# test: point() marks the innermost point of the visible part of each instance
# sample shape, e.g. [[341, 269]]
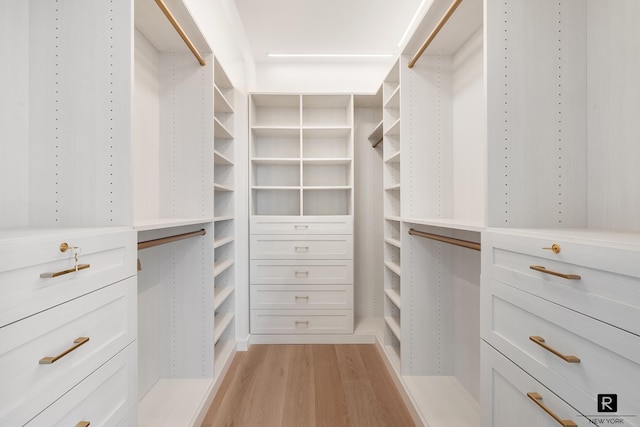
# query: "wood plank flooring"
[[308, 386]]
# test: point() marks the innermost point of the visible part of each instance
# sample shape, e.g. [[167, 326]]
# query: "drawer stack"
[[561, 323], [301, 275], [67, 336]]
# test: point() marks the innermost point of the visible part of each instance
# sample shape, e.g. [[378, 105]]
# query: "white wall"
[[320, 77], [220, 23]]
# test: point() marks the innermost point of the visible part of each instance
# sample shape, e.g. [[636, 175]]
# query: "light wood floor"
[[308, 386]]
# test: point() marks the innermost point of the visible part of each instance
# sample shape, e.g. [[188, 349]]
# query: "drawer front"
[[301, 297], [107, 317], [593, 357], [309, 272], [297, 247], [302, 225], [104, 398], [301, 321], [23, 292], [505, 400], [608, 286]]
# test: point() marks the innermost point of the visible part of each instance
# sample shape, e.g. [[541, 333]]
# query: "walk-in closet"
[[450, 184]]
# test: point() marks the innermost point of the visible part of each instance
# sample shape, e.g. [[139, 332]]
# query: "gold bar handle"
[[537, 399], [302, 248], [302, 297], [302, 273], [83, 424], [542, 269], [300, 227], [63, 272], [302, 323], [77, 343], [540, 341]]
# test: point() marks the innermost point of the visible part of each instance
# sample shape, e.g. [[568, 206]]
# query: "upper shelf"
[[465, 21], [376, 135], [155, 26]]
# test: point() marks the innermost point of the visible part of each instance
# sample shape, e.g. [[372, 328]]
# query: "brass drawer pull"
[[63, 272], [77, 343], [302, 248], [542, 269], [300, 227], [537, 399], [302, 273], [302, 323], [540, 342], [302, 297], [83, 424]]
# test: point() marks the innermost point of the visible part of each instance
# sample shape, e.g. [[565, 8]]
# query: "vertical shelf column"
[[392, 226], [224, 277]]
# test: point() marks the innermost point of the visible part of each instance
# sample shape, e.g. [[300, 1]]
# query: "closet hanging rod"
[[451, 240], [180, 31], [170, 239], [435, 32]]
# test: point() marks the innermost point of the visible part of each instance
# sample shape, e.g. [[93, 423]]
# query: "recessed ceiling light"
[[329, 55], [413, 21]]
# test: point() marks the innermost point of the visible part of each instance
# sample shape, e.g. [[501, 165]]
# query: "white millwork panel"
[[184, 182], [559, 290], [67, 323], [301, 204], [65, 114]]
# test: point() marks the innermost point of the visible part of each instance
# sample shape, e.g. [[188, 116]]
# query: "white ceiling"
[[325, 26]]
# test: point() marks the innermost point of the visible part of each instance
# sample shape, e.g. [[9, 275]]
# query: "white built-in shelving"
[[391, 208], [301, 185], [183, 181], [224, 190]]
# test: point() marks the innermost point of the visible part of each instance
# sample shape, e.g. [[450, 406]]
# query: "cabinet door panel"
[[301, 296], [295, 247], [309, 272], [505, 400], [605, 278], [334, 224], [107, 317], [592, 356], [24, 292], [301, 321], [103, 398]]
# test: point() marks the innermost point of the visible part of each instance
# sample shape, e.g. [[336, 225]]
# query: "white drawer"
[[609, 283], [309, 272], [107, 317], [301, 297], [505, 400], [299, 247], [301, 321], [601, 358], [302, 225], [23, 292], [104, 398]]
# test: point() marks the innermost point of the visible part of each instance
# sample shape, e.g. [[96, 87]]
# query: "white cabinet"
[[563, 307], [560, 275], [301, 204], [69, 325]]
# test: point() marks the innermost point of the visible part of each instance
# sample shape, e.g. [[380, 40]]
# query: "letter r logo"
[[607, 403]]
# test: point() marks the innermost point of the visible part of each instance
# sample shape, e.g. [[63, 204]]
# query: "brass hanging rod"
[[435, 32], [170, 239], [180, 31], [453, 241]]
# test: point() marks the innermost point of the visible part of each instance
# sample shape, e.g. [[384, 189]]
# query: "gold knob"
[[555, 248], [64, 247]]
